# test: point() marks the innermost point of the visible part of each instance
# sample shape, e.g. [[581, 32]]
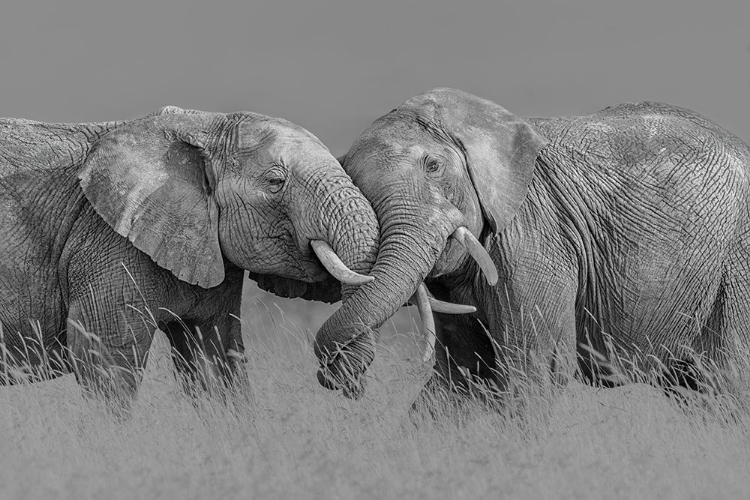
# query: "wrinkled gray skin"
[[632, 222], [110, 229]]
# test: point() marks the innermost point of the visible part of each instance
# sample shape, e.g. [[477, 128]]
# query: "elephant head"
[[439, 169], [200, 191]]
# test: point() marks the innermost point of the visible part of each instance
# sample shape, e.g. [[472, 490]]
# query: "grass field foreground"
[[286, 437]]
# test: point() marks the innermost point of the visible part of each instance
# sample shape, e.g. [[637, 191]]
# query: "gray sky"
[[334, 66]]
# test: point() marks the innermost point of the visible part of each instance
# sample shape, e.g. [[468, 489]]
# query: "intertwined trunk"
[[349, 225], [345, 344]]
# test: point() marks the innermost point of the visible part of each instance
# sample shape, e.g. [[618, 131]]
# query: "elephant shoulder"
[[552, 128]]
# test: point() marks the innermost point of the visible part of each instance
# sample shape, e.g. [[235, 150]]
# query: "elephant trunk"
[[340, 228], [350, 226], [410, 247]]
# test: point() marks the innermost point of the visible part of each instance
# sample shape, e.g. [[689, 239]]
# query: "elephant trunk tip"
[[343, 364]]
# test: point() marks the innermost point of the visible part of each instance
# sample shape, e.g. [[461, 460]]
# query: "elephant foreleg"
[[532, 319], [108, 354], [206, 354], [464, 364], [465, 355]]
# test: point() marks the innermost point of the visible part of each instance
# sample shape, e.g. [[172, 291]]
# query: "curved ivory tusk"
[[440, 306], [449, 307], [428, 322], [333, 264], [477, 252]]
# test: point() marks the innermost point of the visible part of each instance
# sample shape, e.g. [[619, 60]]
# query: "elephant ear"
[[152, 180], [324, 291], [500, 148]]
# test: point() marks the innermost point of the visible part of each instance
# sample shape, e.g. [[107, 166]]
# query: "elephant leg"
[[32, 355], [206, 354], [719, 355], [465, 354], [533, 325], [193, 365], [108, 353], [464, 365]]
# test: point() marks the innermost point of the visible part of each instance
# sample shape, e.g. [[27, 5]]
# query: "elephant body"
[[109, 230], [620, 239], [633, 242], [55, 275]]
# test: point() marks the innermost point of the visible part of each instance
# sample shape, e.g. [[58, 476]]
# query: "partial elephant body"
[[157, 233], [621, 239], [632, 242]]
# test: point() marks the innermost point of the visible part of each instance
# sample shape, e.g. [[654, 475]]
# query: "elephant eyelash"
[[275, 178], [275, 185], [430, 164]]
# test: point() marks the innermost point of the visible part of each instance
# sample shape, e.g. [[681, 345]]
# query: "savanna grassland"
[[284, 436]]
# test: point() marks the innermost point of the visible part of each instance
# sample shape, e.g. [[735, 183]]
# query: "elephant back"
[[686, 123], [32, 145], [628, 134]]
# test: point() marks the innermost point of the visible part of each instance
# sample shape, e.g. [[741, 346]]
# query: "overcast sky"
[[335, 66]]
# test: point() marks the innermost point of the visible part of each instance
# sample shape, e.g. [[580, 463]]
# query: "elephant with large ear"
[[611, 241], [109, 230]]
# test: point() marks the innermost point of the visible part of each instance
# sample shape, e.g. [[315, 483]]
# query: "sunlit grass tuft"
[[283, 436]]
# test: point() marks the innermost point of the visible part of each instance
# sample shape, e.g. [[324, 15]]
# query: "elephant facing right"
[[602, 243]]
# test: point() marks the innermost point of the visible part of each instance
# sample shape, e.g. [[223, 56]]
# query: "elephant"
[[112, 229], [606, 246]]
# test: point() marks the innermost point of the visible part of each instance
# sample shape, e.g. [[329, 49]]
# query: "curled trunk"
[[345, 344]]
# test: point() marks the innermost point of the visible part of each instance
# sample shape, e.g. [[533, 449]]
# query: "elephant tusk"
[[440, 306], [449, 307], [428, 322], [333, 264], [477, 252]]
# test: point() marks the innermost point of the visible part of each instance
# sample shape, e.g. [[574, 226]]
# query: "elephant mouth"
[[426, 304]]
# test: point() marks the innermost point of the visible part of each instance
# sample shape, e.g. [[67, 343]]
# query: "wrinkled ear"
[[324, 291], [152, 181], [500, 148]]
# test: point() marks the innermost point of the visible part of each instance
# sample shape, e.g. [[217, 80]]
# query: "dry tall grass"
[[285, 437]]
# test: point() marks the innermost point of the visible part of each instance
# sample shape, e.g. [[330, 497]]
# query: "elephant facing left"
[[108, 230]]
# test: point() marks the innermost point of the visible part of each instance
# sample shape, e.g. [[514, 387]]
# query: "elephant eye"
[[275, 178], [431, 164]]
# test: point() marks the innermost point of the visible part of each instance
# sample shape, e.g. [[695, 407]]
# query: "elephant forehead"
[[398, 142], [384, 156], [276, 138], [408, 150]]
